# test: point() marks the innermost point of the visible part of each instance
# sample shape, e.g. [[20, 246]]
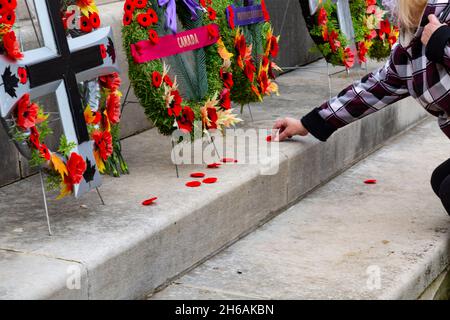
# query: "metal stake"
[[44, 196]]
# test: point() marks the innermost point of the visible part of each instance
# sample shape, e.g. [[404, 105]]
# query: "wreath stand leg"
[[44, 197], [176, 166], [125, 100], [249, 109], [100, 196]]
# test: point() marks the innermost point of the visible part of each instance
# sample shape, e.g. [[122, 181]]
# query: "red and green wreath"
[[31, 123]]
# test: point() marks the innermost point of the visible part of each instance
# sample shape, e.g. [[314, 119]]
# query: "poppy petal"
[[210, 180], [198, 175], [193, 184], [214, 165], [149, 202], [371, 181]]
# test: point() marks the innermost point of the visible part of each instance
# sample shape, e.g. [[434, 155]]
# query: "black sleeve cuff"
[[436, 45], [317, 126]]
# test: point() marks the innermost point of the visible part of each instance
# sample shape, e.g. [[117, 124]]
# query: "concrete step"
[[124, 250], [346, 240]]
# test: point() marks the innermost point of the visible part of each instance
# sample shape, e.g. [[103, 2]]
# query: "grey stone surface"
[[324, 246]]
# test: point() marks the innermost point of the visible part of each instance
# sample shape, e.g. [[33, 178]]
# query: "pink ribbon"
[[145, 51]]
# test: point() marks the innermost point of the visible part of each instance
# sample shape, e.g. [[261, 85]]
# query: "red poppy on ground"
[[129, 6], [103, 51], [103, 143], [212, 31], [198, 175], [26, 112], [76, 166], [212, 14], [153, 36], [153, 16], [140, 4], [22, 73], [11, 46], [127, 18], [113, 108], [193, 184], [144, 20], [111, 81], [250, 70], [156, 79], [228, 160], [371, 181], [214, 165], [274, 47], [186, 120], [44, 152], [210, 180], [8, 18], [168, 81], [227, 78], [149, 202], [225, 99], [94, 19], [34, 137], [85, 24]]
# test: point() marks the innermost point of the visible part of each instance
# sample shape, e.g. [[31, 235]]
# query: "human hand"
[[430, 28], [287, 128]]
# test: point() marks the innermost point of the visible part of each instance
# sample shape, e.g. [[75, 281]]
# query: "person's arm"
[[374, 92], [438, 49]]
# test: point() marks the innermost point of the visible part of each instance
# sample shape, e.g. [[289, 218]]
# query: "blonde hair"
[[409, 13]]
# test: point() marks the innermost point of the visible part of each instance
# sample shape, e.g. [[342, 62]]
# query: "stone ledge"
[[129, 250]]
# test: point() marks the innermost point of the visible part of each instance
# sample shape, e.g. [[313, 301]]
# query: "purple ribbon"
[[171, 12]]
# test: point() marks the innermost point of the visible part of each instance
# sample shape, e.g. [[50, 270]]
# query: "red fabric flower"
[[214, 165], [250, 70], [175, 107], [111, 81], [76, 166], [210, 180], [212, 116], [127, 18], [103, 143], [212, 14], [322, 17], [228, 160], [149, 202], [129, 6], [11, 46], [156, 79], [225, 99], [113, 108], [269, 139], [153, 15], [371, 181], [44, 152], [193, 184], [26, 112], [85, 24], [103, 51], [140, 4], [265, 11], [22, 73], [153, 36], [349, 58], [34, 137], [8, 18], [168, 81], [198, 175], [231, 17], [11, 4], [212, 31], [144, 20], [186, 120], [227, 78], [94, 19], [362, 51], [274, 47]]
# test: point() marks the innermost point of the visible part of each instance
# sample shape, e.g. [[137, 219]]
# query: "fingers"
[[433, 19], [280, 124]]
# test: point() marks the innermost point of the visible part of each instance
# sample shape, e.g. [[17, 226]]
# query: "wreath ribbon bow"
[[171, 12]]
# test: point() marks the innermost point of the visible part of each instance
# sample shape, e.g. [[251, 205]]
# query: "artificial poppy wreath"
[[9, 45], [198, 93], [31, 124]]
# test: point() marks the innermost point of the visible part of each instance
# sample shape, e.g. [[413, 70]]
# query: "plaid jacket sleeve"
[[438, 49], [374, 92]]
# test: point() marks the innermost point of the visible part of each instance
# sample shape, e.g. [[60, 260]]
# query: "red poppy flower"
[[76, 166], [156, 79], [265, 11], [210, 180], [269, 139], [22, 73], [103, 143], [198, 175], [385, 28], [212, 14], [212, 116], [168, 81], [34, 137], [212, 31], [140, 4], [175, 107], [250, 70], [128, 6], [149, 202], [227, 78], [186, 120], [349, 58], [153, 16], [44, 152], [8, 18], [193, 184], [111, 81], [225, 99], [11, 4], [94, 20], [103, 51], [153, 36], [322, 17], [11, 46], [85, 24], [228, 160], [127, 18], [371, 181], [214, 165], [113, 108], [144, 20], [231, 17], [26, 112], [362, 51]]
